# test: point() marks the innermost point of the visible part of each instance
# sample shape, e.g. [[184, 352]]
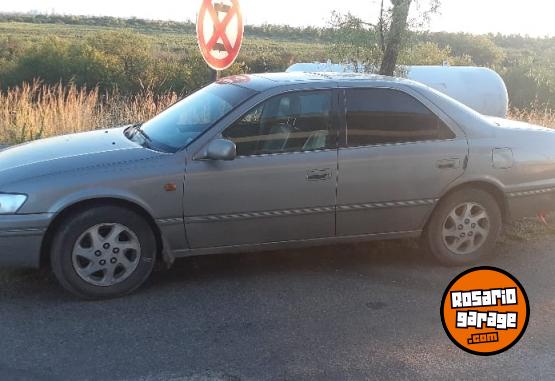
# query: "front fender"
[[79, 196]]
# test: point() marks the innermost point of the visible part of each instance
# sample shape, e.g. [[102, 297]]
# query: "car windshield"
[[182, 123]]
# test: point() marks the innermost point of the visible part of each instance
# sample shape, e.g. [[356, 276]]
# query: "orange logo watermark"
[[485, 311]]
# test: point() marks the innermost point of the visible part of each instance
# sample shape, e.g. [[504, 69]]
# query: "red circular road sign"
[[220, 32]]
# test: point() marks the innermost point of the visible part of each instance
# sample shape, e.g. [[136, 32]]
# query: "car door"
[[282, 185], [396, 159]]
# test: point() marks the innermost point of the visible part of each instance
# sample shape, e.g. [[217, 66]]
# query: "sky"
[[525, 17]]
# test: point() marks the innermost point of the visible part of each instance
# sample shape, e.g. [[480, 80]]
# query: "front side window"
[[293, 122], [386, 116], [186, 120]]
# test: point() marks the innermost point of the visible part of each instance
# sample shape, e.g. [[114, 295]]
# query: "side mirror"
[[221, 149]]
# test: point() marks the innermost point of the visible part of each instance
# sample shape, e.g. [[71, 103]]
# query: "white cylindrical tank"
[[477, 87]]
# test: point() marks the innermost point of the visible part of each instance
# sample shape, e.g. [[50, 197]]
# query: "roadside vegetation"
[[36, 110], [63, 74]]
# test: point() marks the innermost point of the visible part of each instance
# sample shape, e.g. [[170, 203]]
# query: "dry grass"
[[535, 115], [34, 111]]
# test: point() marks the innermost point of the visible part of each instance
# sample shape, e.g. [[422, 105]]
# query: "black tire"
[[72, 229], [433, 235]]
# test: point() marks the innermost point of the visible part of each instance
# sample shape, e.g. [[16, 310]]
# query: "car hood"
[[69, 152]]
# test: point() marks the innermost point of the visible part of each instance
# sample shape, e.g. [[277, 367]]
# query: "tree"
[[399, 17], [355, 42], [376, 47]]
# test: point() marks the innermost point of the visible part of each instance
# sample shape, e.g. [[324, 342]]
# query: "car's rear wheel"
[[464, 228], [103, 252]]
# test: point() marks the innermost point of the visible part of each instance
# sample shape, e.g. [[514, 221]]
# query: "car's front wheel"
[[103, 252], [464, 228]]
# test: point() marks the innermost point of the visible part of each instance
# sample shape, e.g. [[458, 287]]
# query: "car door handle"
[[318, 175], [449, 163]]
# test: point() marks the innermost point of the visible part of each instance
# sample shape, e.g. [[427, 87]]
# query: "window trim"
[[334, 112], [344, 134], [286, 153]]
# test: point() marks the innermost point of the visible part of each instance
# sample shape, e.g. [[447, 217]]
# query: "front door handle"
[[449, 163], [319, 174]]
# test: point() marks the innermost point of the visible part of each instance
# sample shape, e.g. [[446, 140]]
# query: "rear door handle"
[[449, 163], [319, 174]]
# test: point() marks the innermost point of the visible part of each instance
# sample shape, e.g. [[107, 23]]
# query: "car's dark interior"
[[290, 123]]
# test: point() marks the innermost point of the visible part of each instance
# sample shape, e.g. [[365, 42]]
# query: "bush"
[[131, 55], [121, 60]]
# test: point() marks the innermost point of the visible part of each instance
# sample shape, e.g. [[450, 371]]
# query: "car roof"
[[262, 82]]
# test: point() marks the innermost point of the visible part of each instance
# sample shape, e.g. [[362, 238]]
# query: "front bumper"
[[21, 238]]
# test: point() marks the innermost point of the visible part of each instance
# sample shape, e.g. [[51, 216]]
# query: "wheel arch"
[[82, 205], [487, 186]]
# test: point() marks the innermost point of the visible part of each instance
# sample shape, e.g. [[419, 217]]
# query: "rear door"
[[396, 159], [281, 187]]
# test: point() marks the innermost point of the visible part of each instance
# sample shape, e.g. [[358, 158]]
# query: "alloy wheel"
[[466, 228], [106, 254]]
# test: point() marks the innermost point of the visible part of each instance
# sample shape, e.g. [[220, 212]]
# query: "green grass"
[[171, 40]]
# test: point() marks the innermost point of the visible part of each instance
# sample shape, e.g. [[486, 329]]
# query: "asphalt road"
[[335, 313]]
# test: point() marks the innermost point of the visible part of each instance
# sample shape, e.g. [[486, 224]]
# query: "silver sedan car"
[[265, 162]]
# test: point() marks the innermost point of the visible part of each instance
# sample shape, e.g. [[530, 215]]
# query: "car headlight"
[[10, 203]]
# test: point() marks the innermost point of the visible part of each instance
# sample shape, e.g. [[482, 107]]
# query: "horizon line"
[[189, 21]]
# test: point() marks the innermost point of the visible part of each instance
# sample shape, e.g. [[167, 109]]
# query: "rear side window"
[[293, 122], [386, 116]]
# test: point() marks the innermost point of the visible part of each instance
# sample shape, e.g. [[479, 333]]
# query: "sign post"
[[220, 31]]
